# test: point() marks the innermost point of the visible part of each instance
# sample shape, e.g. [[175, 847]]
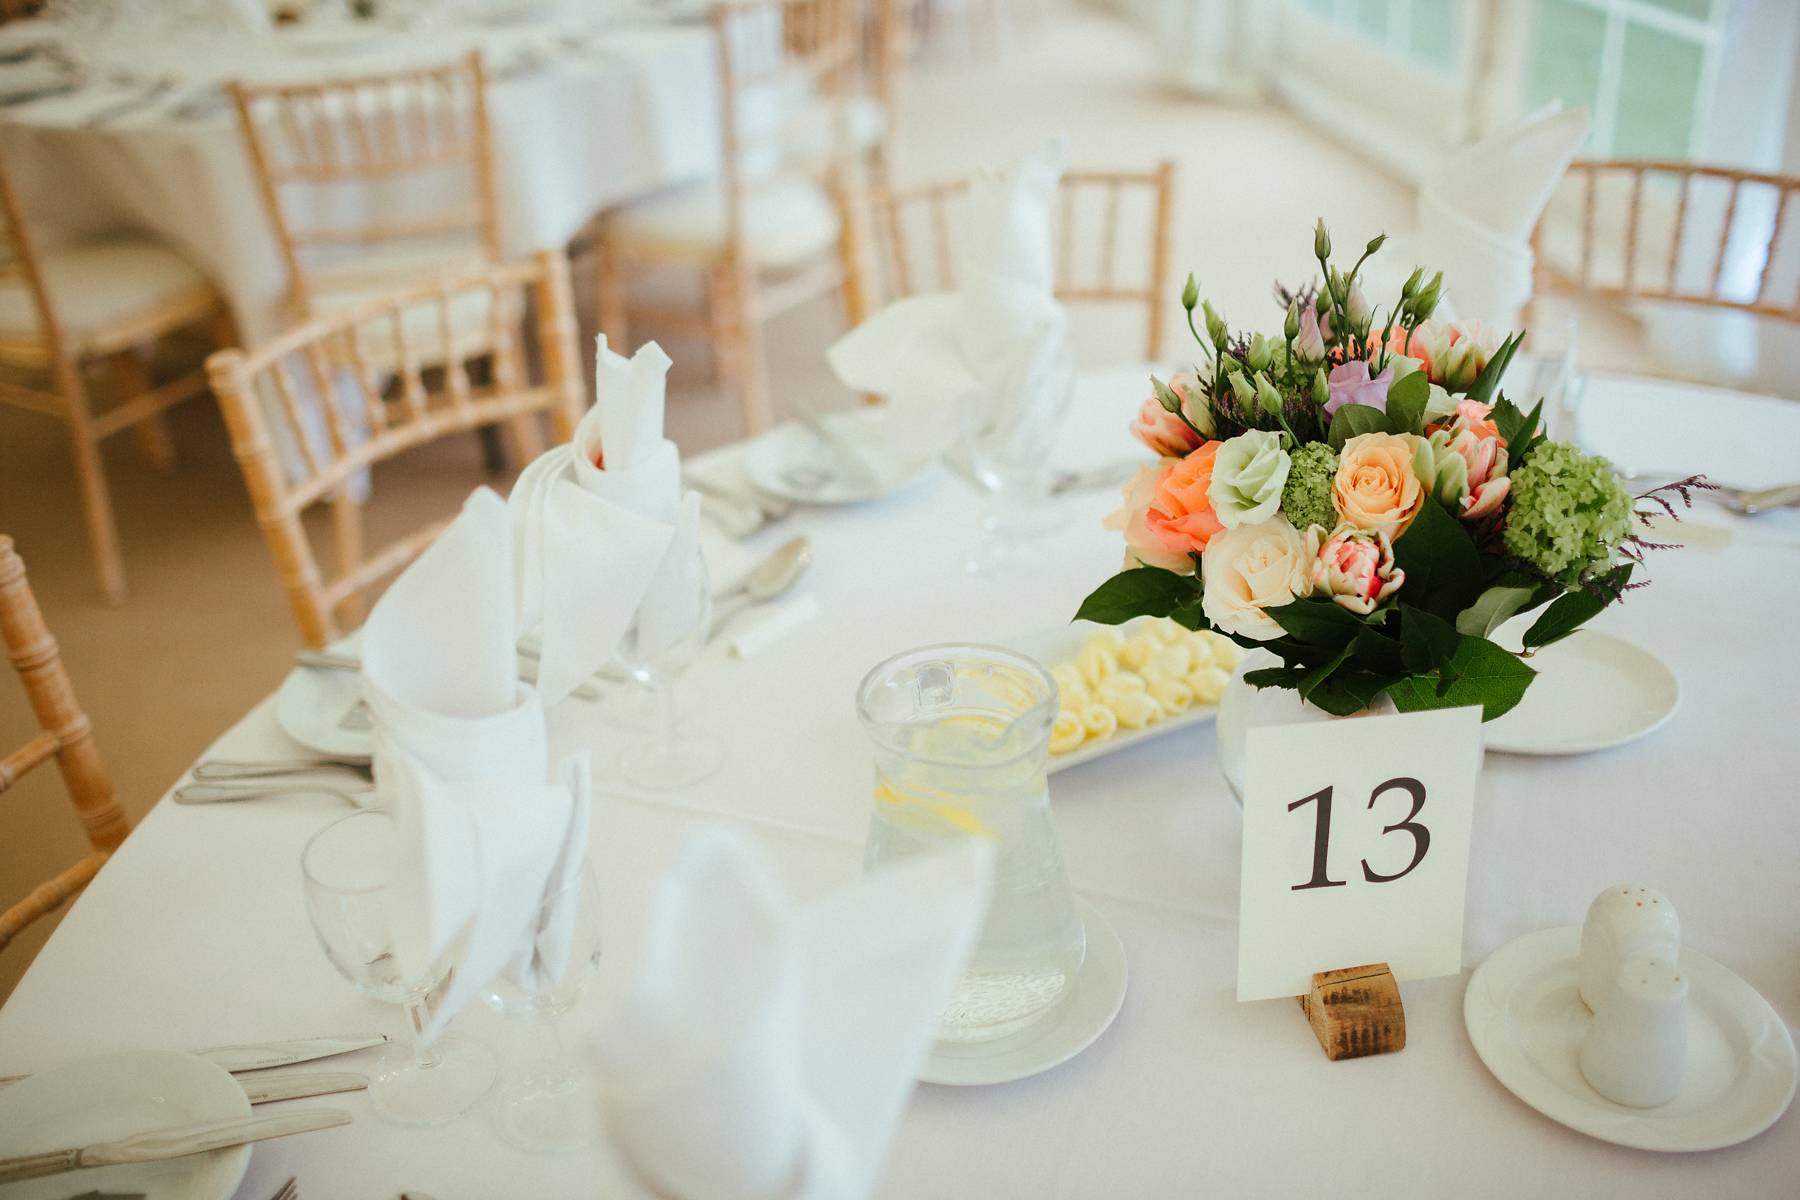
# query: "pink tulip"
[[1355, 568]]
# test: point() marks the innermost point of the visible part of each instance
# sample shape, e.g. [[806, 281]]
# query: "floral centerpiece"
[[1358, 496]]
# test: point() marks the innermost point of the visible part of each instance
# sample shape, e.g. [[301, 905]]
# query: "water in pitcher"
[[966, 759]]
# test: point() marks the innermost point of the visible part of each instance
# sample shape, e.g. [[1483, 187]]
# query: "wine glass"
[[669, 750], [551, 1102], [349, 868]]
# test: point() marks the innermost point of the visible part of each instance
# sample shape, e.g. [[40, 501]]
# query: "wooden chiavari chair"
[[260, 392], [916, 230], [780, 228], [18, 10], [64, 735], [98, 303], [1630, 230]]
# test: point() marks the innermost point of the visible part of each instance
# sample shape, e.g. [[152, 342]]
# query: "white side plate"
[[791, 462], [115, 1096], [1593, 692], [1074, 1026], [1052, 646], [1524, 1014], [322, 710]]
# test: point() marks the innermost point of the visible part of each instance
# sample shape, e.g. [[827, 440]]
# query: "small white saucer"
[[1075, 1025], [116, 1096], [324, 711], [1525, 1017], [792, 462], [1593, 692]]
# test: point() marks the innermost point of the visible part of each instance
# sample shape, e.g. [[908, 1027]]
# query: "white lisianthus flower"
[[1251, 568], [1439, 404], [1248, 475]]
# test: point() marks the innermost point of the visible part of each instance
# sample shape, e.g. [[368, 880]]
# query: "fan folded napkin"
[[602, 529], [461, 764], [767, 1049], [937, 349]]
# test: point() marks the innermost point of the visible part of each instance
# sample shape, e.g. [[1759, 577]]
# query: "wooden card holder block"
[[1356, 1011]]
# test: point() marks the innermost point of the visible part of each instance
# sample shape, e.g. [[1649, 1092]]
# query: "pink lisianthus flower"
[[1350, 384], [1310, 345], [1355, 567]]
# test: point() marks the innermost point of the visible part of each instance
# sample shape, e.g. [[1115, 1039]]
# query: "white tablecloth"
[[196, 934], [581, 121]]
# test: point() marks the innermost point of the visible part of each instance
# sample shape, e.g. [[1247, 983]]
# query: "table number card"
[[1356, 847]]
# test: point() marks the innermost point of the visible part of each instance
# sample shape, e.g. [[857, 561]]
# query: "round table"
[[195, 934], [584, 116]]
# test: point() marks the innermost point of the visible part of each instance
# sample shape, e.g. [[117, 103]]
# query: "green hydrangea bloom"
[[1306, 499], [1567, 511]]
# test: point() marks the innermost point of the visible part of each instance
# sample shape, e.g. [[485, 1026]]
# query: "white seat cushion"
[[353, 281], [95, 285], [787, 220]]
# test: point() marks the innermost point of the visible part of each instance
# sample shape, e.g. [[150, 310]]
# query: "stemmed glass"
[[349, 869], [667, 750], [551, 1103]]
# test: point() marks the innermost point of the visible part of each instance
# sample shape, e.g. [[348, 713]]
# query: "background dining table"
[[586, 113], [196, 933]]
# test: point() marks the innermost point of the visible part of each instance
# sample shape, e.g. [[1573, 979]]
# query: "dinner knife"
[[161, 1144], [256, 1056], [295, 1085]]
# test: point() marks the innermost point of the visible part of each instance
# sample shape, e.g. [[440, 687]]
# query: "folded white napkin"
[[766, 1050], [595, 541], [1476, 212], [461, 765], [936, 349]]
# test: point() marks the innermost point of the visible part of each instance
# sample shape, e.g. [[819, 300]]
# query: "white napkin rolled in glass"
[[461, 764], [595, 521], [767, 1049]]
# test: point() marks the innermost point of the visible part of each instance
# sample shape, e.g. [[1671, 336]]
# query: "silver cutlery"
[[162, 1144], [109, 1196], [738, 517], [321, 661], [216, 769], [260, 1056], [1113, 475], [861, 473], [770, 578], [219, 793], [289, 1190], [276, 1086], [1750, 501]]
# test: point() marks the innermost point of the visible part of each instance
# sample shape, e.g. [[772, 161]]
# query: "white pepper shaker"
[[1624, 922], [1635, 1051]]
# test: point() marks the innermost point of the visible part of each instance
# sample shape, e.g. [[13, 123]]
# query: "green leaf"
[[1139, 592], [1485, 674], [1377, 652], [1316, 622], [1316, 677], [1489, 379], [1493, 608], [1282, 677], [1520, 431], [1427, 643], [1406, 401], [1350, 691], [1572, 610], [1443, 568], [1353, 419]]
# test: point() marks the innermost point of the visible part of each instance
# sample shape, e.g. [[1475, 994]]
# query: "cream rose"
[[1247, 478], [1250, 568], [1375, 488]]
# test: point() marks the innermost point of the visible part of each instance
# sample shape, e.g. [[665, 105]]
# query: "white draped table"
[[585, 116], [196, 934]]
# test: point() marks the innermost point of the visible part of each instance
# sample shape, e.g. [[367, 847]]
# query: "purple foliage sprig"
[[1663, 498]]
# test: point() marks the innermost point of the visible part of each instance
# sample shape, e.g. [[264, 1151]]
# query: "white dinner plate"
[[1072, 1027], [1593, 692], [116, 1096], [1526, 1018], [1646, 426], [794, 463], [1059, 645], [324, 710]]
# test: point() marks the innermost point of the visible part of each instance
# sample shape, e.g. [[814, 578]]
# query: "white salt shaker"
[[1624, 922], [1635, 1051]]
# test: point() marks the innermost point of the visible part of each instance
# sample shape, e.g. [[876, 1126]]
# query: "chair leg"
[[90, 475], [738, 342], [130, 375], [852, 243], [610, 297]]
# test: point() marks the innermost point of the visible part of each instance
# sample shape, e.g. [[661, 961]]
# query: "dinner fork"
[[213, 770], [203, 793], [288, 1191]]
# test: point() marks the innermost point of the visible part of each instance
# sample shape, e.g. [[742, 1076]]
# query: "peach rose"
[[1375, 488], [1249, 569], [1167, 514]]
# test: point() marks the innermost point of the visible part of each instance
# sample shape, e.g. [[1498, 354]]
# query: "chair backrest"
[[63, 734], [270, 397], [916, 232], [1626, 230], [14, 10], [20, 261], [786, 70], [418, 140]]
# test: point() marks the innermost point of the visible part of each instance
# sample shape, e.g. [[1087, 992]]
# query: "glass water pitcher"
[[961, 737]]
